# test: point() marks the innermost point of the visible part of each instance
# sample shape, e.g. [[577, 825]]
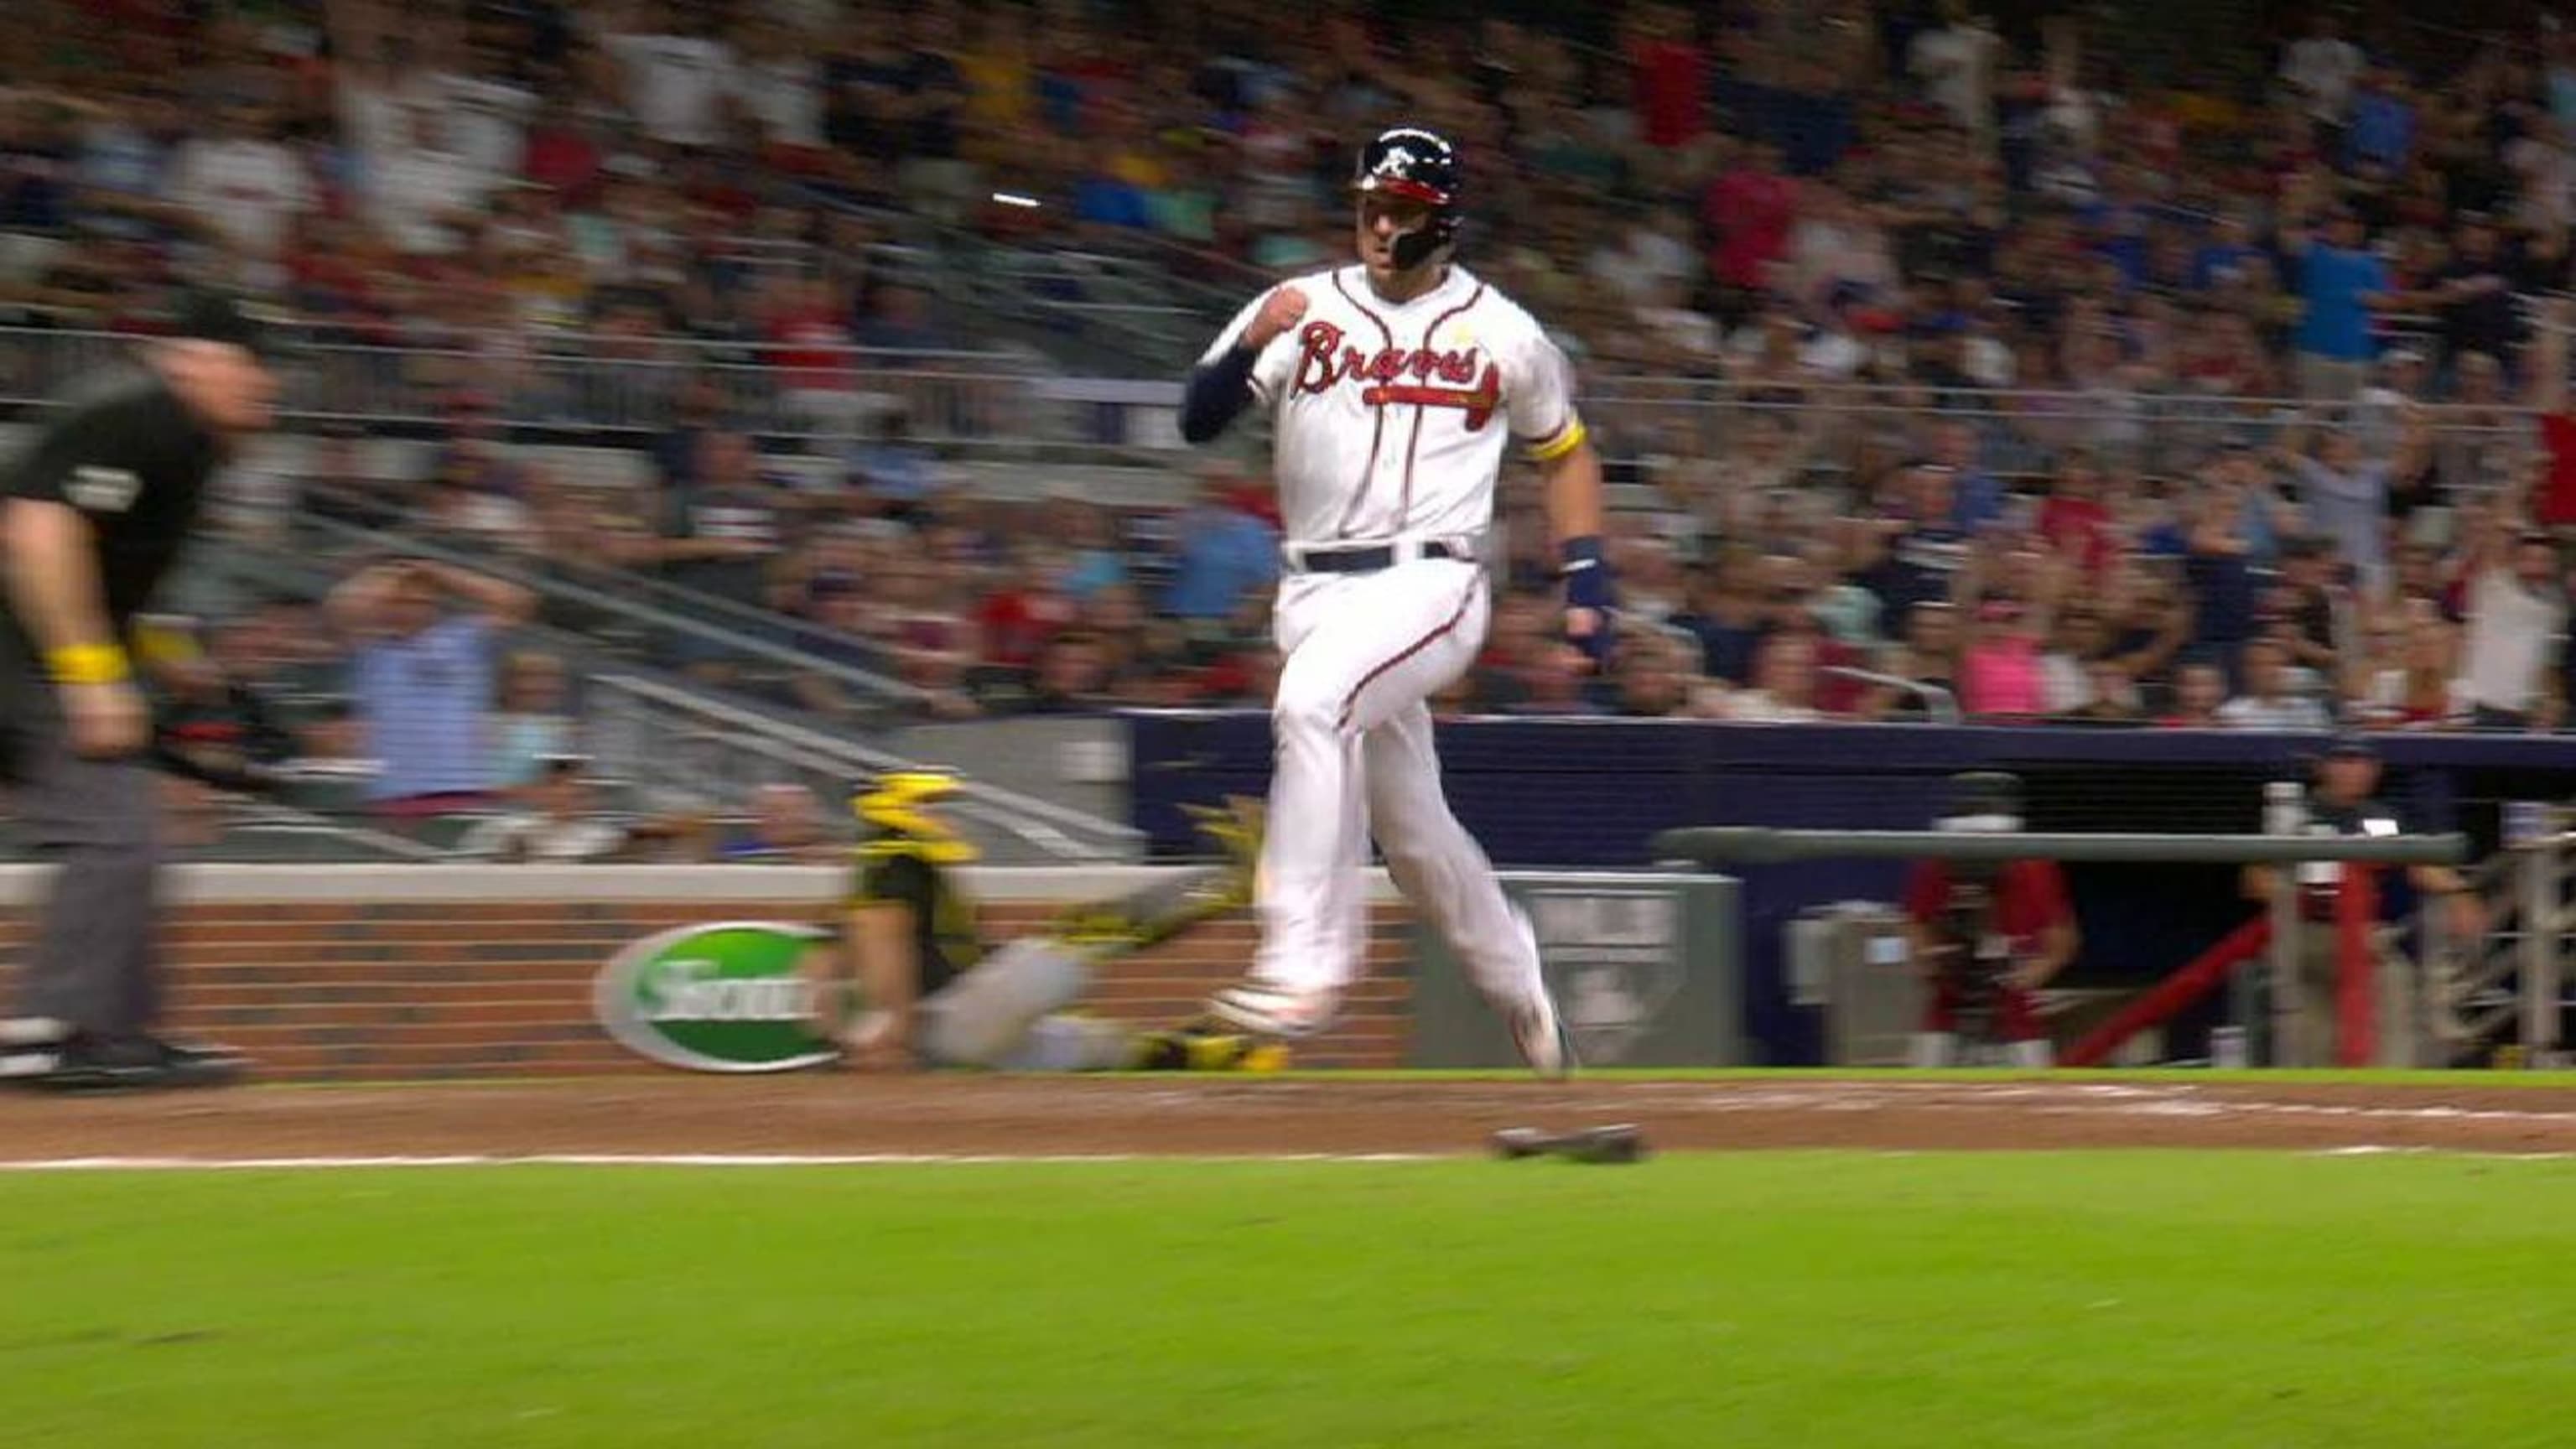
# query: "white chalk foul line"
[[670, 1159], [2071, 1100], [2367, 1149]]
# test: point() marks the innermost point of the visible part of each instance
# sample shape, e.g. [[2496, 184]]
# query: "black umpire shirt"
[[131, 457]]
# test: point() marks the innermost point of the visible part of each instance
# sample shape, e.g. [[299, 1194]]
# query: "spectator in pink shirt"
[[2000, 673], [2000, 668]]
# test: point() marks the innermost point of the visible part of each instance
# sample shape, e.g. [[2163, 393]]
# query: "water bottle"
[[2285, 808], [2525, 822], [2227, 1048]]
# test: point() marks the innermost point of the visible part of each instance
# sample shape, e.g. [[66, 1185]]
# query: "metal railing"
[[657, 736], [670, 747], [647, 613], [2156, 432], [251, 829], [1940, 705], [1098, 301], [589, 383], [593, 382], [2510, 989]]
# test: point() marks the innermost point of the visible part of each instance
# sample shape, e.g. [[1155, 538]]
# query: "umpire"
[[91, 518]]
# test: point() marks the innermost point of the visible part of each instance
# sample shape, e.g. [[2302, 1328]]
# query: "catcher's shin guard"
[[983, 1017]]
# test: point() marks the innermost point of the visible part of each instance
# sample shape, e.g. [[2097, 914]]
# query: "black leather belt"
[[1364, 560]]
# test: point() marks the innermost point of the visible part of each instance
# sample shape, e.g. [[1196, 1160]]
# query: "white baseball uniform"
[[1390, 422]]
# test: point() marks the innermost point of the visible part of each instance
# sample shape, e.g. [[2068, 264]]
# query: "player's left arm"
[[1573, 483], [1541, 405]]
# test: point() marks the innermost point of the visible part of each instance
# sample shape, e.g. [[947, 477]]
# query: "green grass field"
[[1769, 1299]]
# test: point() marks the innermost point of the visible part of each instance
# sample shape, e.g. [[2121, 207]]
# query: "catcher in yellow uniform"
[[923, 988]]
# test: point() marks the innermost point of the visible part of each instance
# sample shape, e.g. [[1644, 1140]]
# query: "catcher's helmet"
[[1416, 165], [896, 809]]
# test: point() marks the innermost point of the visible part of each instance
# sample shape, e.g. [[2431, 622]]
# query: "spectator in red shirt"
[[2073, 517], [808, 324], [1986, 938], [1018, 619], [1670, 74], [2556, 505], [1750, 209]]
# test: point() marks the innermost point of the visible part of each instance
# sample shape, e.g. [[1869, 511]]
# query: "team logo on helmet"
[[1416, 165]]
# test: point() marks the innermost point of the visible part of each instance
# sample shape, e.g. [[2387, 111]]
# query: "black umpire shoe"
[[85, 1063]]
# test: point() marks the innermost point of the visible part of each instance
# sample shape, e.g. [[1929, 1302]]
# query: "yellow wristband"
[[88, 664]]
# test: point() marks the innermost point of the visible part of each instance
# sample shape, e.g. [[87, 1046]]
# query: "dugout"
[[1591, 793]]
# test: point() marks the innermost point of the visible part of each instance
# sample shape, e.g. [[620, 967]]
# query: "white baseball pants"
[[1362, 654]]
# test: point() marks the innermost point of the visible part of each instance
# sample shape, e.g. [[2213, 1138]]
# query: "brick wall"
[[351, 991]]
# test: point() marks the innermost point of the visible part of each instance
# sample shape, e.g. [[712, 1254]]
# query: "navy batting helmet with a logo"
[[1416, 165]]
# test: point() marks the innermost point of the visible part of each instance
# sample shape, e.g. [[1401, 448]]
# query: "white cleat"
[[1537, 1028], [1540, 1034], [1257, 1009]]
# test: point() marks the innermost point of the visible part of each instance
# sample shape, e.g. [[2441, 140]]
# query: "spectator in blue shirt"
[[2340, 283], [2382, 131], [2229, 255], [1093, 559], [1976, 495], [1105, 200], [423, 641], [898, 472], [1220, 552]]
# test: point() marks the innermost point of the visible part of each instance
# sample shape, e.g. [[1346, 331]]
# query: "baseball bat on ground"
[[1619, 1144]]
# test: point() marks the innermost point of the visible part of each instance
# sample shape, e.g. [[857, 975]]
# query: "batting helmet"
[[1417, 165]]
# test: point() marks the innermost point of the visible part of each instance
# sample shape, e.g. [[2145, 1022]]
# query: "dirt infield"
[[821, 1115]]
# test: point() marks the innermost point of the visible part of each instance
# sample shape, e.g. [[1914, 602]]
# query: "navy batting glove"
[[1586, 571]]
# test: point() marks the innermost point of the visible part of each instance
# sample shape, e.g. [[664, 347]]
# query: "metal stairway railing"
[[664, 738], [667, 740]]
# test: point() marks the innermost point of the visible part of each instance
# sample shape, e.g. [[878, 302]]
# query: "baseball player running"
[[1393, 388]]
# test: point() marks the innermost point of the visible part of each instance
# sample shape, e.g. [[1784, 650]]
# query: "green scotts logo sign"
[[720, 998]]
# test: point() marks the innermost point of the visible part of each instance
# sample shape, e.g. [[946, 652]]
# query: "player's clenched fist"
[[1279, 312]]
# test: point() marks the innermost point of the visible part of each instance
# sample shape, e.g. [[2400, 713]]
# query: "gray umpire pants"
[[93, 961]]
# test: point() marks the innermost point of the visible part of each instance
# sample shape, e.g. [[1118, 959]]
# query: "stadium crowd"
[[2012, 369]]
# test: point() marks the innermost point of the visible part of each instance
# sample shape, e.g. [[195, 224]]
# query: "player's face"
[[1382, 221], [2537, 563], [2350, 777], [413, 605], [227, 386]]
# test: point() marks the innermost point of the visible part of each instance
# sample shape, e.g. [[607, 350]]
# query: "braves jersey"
[[1390, 420]]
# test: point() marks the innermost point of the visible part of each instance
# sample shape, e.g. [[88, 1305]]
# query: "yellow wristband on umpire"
[[88, 664]]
